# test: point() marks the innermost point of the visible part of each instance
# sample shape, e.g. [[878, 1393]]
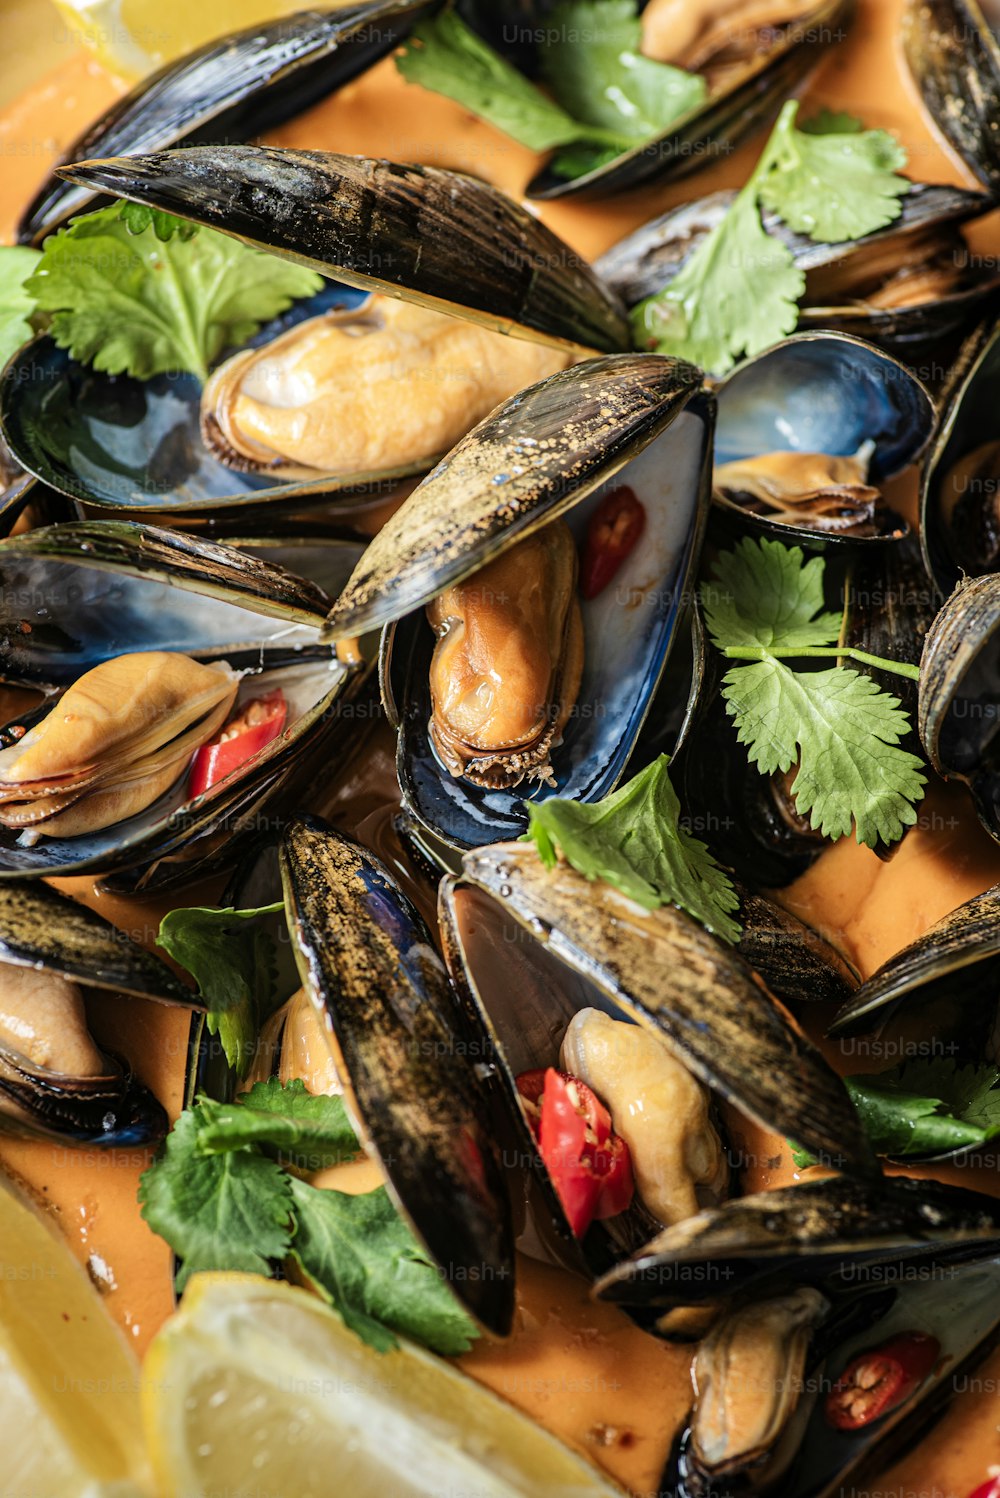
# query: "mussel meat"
[[508, 662], [795, 488], [748, 1376], [315, 399], [117, 739]]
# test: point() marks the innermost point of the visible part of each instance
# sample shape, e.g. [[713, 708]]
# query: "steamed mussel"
[[900, 287]]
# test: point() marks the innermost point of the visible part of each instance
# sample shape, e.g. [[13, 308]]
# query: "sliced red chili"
[[880, 1379], [988, 1489], [614, 529], [590, 1165], [255, 725]]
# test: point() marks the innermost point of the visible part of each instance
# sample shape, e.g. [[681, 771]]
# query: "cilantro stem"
[[821, 652]]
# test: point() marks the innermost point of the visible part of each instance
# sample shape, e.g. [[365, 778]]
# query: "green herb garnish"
[[634, 840], [764, 607], [739, 291], [925, 1106], [158, 300], [608, 97], [232, 960], [218, 1194], [17, 263]]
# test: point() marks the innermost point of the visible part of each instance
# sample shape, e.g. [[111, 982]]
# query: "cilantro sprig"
[[924, 1106], [764, 608], [221, 1196], [739, 291], [17, 264], [133, 291], [607, 97], [231, 956], [634, 840]]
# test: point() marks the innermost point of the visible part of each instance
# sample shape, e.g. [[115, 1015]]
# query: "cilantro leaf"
[[833, 184], [595, 67], [233, 967], [311, 1130], [138, 217], [633, 839], [231, 1211], [831, 122], [360, 1255], [841, 729], [17, 263], [925, 1106], [447, 57], [140, 305], [737, 294], [765, 593]]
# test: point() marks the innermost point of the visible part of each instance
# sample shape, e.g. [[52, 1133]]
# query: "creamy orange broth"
[[583, 1370]]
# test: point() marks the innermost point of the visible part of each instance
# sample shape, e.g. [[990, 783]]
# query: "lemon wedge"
[[69, 1383], [132, 37], [256, 1387]]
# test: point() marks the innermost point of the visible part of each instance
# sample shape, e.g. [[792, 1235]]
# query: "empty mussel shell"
[[822, 393], [409, 1070], [77, 595], [899, 287], [958, 958], [663, 970], [954, 56], [837, 1230], [439, 238], [240, 85], [960, 482], [555, 450], [741, 98], [959, 691]]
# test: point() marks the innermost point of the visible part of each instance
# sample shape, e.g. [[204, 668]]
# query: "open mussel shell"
[[240, 85], [957, 958], [554, 450], [41, 928], [823, 1233], [954, 56], [743, 103], [663, 970], [76, 595], [960, 482], [409, 1071], [822, 393], [957, 1307], [47, 932], [959, 689], [444, 240], [126, 444], [840, 278]]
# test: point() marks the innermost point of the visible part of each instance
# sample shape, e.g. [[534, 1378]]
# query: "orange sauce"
[[582, 1369]]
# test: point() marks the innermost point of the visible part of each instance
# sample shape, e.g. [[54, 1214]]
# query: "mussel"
[[900, 287], [314, 400], [409, 1070], [807, 429], [560, 972], [85, 602], [55, 1080], [484, 541], [959, 690], [444, 240], [954, 56], [750, 55], [237, 86], [960, 481]]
